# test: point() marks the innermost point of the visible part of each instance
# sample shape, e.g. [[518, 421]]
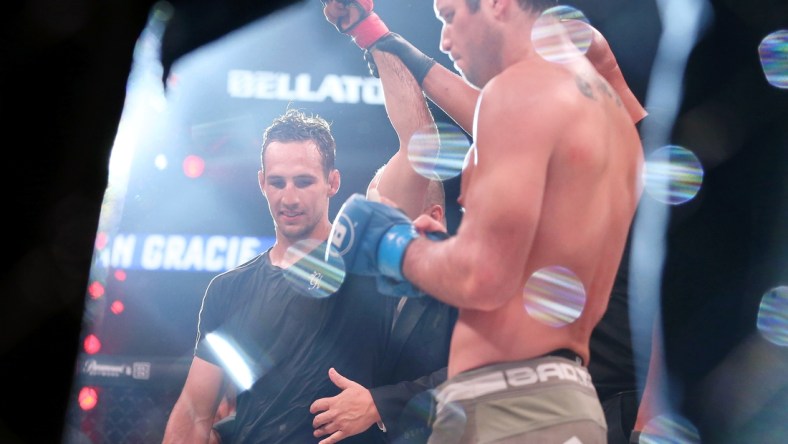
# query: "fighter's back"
[[561, 137]]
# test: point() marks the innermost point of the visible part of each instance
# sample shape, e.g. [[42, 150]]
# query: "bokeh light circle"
[[773, 316], [550, 30], [438, 154], [193, 166], [773, 53], [669, 429], [87, 398], [672, 175], [554, 296], [314, 271]]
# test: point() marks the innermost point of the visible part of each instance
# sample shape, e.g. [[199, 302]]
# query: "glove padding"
[[371, 237], [365, 30]]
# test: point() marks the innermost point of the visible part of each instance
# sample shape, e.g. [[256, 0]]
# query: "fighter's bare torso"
[[580, 176]]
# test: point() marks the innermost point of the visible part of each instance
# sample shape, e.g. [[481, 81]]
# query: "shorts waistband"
[[562, 367], [565, 353]]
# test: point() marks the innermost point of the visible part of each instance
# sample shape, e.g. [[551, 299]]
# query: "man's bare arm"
[[601, 56], [192, 416], [408, 112], [458, 99]]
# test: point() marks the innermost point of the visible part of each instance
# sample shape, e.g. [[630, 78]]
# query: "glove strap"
[[418, 63], [367, 31], [391, 249]]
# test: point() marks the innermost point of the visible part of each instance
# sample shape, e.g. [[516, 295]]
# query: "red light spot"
[[117, 307], [96, 290], [120, 275], [92, 344], [101, 240], [193, 166], [88, 398]]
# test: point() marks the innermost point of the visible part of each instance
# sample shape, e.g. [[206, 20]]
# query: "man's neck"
[[282, 255]]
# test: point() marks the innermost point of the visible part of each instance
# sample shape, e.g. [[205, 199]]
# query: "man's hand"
[[342, 14], [346, 414], [356, 19], [425, 224]]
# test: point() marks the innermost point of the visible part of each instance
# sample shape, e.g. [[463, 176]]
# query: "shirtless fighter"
[[553, 180]]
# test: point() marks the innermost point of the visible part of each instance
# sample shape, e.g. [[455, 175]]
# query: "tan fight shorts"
[[545, 400]]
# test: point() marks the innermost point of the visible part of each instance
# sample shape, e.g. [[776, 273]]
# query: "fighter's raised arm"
[[405, 104], [457, 98]]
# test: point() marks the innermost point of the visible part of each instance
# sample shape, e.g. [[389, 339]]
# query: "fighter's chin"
[[293, 232], [471, 79], [468, 75]]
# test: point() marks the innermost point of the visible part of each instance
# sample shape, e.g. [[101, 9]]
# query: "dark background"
[[65, 67]]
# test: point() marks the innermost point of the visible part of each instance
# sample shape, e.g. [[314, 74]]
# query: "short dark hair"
[[527, 5], [296, 126], [435, 195]]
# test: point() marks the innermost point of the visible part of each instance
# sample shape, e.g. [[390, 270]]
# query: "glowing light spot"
[[96, 290], [101, 240], [233, 360], [773, 316], [91, 344], [160, 162], [87, 398], [120, 275], [555, 296], [316, 272], [773, 52], [673, 175], [561, 34], [117, 307], [193, 166], [669, 429], [438, 154]]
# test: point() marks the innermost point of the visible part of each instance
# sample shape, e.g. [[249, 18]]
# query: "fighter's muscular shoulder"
[[536, 98]]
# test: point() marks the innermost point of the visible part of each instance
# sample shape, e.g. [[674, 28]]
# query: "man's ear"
[[334, 180], [261, 181], [499, 6], [438, 213]]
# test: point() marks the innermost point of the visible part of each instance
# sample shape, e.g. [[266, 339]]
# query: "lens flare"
[[669, 429], [773, 316], [316, 272], [773, 52], [555, 296], [438, 152], [673, 175], [561, 34], [452, 424]]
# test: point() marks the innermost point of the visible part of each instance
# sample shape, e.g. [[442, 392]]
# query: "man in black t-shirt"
[[272, 336], [277, 339]]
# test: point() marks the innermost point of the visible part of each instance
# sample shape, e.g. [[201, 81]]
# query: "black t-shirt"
[[290, 339]]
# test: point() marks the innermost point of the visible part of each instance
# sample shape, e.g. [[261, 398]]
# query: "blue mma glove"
[[372, 237], [392, 287]]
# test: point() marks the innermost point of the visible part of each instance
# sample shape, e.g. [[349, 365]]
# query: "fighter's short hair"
[[295, 126]]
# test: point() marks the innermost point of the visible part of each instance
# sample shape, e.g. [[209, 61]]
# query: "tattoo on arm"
[[603, 86], [585, 87]]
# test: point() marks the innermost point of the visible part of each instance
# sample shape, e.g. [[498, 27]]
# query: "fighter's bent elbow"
[[487, 287]]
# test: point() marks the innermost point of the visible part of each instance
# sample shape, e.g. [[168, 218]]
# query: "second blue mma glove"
[[372, 238]]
